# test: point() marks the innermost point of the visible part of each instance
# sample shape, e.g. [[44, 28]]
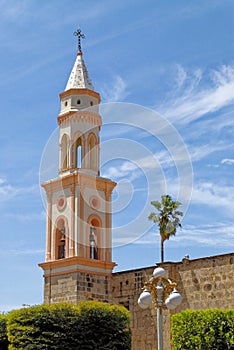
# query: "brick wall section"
[[203, 283]]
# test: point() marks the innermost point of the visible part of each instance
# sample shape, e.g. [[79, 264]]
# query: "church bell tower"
[[78, 264]]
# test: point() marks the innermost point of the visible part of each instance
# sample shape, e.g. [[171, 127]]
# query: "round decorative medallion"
[[94, 202], [61, 203]]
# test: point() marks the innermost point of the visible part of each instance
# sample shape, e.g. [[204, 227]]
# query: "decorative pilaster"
[[49, 226], [108, 225], [72, 233], [82, 250]]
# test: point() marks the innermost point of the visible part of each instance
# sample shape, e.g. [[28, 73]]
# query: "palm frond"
[[167, 218]]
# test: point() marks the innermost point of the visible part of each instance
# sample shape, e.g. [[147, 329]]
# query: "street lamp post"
[[161, 291]]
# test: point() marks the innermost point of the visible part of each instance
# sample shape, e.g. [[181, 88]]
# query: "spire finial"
[[79, 35]]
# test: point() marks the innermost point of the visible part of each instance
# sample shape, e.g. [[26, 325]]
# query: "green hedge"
[[90, 325], [42, 327], [104, 326], [3, 332], [203, 330]]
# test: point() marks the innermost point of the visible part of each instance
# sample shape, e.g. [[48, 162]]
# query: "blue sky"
[[173, 57]]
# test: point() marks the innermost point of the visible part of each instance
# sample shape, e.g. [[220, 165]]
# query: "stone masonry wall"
[[73, 287], [203, 283]]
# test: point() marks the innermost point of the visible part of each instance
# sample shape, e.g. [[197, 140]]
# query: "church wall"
[[77, 286], [84, 128], [66, 211], [65, 129], [203, 283]]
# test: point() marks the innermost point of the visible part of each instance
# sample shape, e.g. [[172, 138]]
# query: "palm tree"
[[168, 218]]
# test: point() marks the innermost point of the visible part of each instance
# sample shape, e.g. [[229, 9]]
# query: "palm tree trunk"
[[162, 251]]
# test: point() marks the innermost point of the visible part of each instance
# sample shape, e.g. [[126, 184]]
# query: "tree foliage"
[[90, 325], [106, 326], [167, 218], [204, 329], [3, 332], [43, 327]]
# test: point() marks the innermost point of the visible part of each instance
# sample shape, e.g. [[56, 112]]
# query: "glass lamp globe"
[[173, 300], [143, 306], [159, 272], [145, 299]]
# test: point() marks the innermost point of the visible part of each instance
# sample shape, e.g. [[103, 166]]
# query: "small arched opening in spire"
[[78, 151]]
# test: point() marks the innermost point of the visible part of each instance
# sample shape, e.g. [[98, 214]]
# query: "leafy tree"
[[203, 329], [3, 332], [103, 326], [51, 327], [167, 218]]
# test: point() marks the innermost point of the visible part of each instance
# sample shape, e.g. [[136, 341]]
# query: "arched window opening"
[[79, 156], [64, 152], [92, 152], [60, 240], [78, 153], [94, 239]]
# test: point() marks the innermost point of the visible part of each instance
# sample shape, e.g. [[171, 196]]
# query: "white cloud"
[[122, 171], [116, 91], [198, 153], [220, 235], [8, 192], [214, 195], [181, 77], [129, 168], [198, 95], [227, 161]]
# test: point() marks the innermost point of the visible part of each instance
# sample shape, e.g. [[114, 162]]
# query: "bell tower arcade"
[[78, 262]]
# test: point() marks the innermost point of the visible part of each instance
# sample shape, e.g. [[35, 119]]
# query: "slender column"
[[81, 233], [49, 226], [84, 153], [72, 233], [98, 156], [72, 155], [107, 244], [69, 155], [60, 157]]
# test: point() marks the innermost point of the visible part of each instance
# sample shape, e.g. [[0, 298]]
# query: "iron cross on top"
[[79, 36]]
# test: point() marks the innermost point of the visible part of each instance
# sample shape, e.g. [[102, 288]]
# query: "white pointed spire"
[[79, 77]]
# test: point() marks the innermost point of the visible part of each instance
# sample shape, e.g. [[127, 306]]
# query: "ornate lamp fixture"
[[162, 292]]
